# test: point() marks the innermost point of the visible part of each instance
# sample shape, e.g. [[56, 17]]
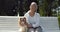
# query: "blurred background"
[[45, 7]]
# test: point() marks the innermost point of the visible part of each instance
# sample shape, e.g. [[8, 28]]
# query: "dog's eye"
[[24, 19], [21, 19]]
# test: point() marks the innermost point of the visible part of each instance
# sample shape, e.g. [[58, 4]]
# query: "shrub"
[[59, 21]]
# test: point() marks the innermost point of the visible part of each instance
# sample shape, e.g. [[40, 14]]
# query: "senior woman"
[[33, 19]]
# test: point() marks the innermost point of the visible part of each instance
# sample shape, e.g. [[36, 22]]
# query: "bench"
[[11, 23]]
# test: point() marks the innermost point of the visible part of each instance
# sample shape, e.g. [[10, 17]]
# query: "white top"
[[35, 20]]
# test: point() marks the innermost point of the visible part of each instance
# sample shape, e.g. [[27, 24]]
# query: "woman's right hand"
[[29, 25]]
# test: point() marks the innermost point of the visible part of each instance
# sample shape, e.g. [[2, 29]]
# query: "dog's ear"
[[24, 18], [25, 21], [19, 21]]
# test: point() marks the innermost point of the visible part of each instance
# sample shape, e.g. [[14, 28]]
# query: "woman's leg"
[[30, 30], [39, 29]]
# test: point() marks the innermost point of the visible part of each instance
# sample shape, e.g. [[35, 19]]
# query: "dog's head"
[[23, 21]]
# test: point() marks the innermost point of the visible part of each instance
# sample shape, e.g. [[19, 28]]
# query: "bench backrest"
[[49, 23], [11, 23]]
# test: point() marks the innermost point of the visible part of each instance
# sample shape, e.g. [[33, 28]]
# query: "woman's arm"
[[26, 16], [28, 24], [37, 22]]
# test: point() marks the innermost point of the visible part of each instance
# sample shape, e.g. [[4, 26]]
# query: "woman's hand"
[[29, 25]]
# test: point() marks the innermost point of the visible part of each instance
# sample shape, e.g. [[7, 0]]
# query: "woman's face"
[[33, 7]]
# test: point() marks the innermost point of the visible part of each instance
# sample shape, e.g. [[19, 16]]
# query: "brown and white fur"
[[22, 24]]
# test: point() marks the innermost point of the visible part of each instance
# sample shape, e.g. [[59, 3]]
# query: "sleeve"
[[27, 18], [38, 21]]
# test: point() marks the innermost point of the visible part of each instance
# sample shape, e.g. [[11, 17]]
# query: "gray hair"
[[34, 3]]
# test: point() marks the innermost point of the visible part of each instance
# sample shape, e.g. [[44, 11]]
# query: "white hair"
[[33, 3]]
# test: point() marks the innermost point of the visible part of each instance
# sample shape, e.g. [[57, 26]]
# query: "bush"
[[59, 21]]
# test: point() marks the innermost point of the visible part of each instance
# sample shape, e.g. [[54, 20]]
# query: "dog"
[[22, 24]]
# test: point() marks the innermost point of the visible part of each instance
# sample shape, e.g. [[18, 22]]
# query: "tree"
[[46, 7], [7, 7]]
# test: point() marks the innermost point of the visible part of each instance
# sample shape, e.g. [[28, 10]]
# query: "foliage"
[[59, 21]]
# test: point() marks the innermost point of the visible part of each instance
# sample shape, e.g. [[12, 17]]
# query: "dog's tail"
[[18, 15]]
